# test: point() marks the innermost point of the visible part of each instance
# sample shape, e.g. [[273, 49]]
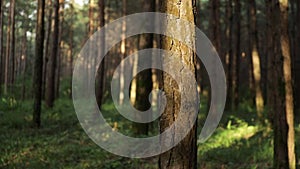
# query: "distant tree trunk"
[[255, 58], [144, 80], [287, 73], [47, 47], [101, 71], [1, 45], [23, 62], [236, 75], [10, 45], [71, 47], [50, 86], [229, 57], [184, 155], [215, 34], [60, 51], [38, 64], [123, 54]]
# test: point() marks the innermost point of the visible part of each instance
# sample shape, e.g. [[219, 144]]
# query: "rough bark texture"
[[184, 155], [50, 86], [38, 64], [276, 90], [287, 73]]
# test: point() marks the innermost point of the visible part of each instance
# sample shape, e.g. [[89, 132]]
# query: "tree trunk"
[[47, 47], [287, 73], [50, 86], [255, 58], [123, 54], [38, 64], [297, 59], [184, 155], [10, 41], [229, 55], [101, 71], [236, 75], [60, 51], [276, 85], [1, 45]]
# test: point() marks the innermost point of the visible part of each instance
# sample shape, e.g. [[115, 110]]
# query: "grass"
[[62, 143]]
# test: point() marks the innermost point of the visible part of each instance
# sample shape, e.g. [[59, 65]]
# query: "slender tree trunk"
[[144, 80], [101, 71], [287, 72], [23, 62], [123, 54], [229, 57], [47, 47], [236, 76], [38, 64], [50, 86], [1, 45], [60, 51], [9, 61], [255, 58], [71, 47], [184, 155]]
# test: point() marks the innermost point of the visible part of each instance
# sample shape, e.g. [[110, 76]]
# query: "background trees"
[[258, 43]]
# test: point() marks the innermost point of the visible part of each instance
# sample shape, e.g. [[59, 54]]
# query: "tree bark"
[[287, 73], [184, 155], [50, 86], [276, 86], [38, 64]]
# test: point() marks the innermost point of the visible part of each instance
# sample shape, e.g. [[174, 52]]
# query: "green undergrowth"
[[238, 142]]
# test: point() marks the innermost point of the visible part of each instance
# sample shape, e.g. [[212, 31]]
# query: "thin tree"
[[47, 45], [50, 86], [1, 44], [254, 57], [38, 63], [10, 45], [184, 155], [236, 77], [101, 71]]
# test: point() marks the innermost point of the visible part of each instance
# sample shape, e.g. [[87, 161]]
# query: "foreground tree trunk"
[[184, 155], [38, 64], [50, 85]]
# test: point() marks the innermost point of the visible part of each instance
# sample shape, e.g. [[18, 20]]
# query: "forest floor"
[[61, 142]]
